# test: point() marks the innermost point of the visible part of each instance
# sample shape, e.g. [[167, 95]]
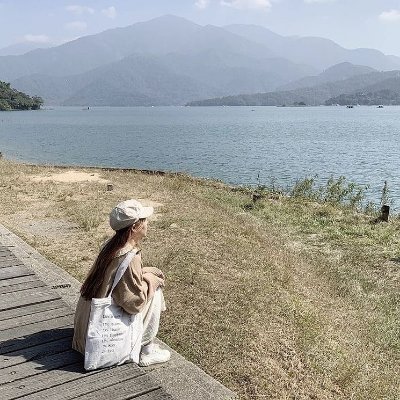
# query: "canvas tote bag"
[[114, 336]]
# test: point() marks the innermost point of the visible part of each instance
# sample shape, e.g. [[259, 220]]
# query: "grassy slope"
[[290, 299]]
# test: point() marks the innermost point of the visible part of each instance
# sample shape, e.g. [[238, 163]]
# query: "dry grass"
[[289, 300]]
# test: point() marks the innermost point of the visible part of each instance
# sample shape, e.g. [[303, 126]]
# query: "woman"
[[138, 291]]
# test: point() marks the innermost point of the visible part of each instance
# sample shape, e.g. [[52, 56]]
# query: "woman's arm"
[[135, 287], [155, 271]]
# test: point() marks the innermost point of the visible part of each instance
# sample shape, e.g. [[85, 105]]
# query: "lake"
[[233, 144]]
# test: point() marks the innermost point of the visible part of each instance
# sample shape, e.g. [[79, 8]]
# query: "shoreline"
[[286, 160], [212, 182]]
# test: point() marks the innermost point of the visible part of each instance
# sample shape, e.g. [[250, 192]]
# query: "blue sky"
[[351, 23]]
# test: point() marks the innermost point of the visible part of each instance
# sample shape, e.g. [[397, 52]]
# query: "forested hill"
[[372, 88], [386, 92], [12, 99]]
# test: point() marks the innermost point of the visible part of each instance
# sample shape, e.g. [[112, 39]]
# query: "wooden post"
[[1, 154], [110, 187], [256, 196], [385, 213]]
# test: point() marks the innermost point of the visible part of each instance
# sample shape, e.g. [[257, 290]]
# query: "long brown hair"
[[95, 278]]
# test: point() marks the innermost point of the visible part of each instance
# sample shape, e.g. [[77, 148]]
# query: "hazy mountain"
[[22, 48], [335, 73], [192, 76], [186, 60], [163, 34], [315, 95], [53, 89], [261, 35], [159, 36], [386, 92], [136, 80], [208, 60], [315, 51]]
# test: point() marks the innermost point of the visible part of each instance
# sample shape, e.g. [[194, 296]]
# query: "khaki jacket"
[[133, 291]]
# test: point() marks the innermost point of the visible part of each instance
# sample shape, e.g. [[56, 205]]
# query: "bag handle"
[[122, 268]]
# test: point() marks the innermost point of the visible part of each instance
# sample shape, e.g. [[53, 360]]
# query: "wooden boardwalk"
[[36, 360]]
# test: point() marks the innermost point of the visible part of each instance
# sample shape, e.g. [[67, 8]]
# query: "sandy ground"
[[70, 176]]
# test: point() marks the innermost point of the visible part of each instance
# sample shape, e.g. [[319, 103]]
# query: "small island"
[[11, 99]]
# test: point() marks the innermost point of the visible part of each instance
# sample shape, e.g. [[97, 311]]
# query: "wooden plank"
[[41, 336], [34, 352], [158, 394], [9, 301], [14, 272], [39, 366], [11, 264], [17, 280], [87, 383], [31, 309], [47, 380], [9, 258], [21, 287], [6, 253], [128, 389], [35, 328], [34, 318]]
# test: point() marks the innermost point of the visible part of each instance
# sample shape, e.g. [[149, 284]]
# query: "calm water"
[[233, 144]]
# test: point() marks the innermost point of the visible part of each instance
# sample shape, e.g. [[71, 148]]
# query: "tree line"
[[12, 99]]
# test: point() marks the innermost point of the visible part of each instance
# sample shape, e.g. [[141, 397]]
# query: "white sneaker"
[[153, 354]]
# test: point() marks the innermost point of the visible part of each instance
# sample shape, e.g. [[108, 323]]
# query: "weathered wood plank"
[[41, 336], [14, 272], [31, 309], [8, 257], [158, 394], [36, 383], [12, 264], [87, 383], [34, 352], [11, 260], [17, 280], [34, 318], [21, 287], [35, 328], [32, 296], [3, 247], [5, 252], [39, 366], [128, 389]]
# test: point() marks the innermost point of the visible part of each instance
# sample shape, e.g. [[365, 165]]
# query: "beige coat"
[[133, 291]]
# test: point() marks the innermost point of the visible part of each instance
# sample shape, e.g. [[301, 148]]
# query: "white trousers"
[[151, 316]]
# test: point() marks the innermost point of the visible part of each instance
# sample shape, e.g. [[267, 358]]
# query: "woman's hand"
[[155, 271], [153, 280]]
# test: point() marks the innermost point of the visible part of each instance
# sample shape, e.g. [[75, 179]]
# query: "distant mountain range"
[[331, 92], [386, 92], [172, 61], [338, 72], [317, 52]]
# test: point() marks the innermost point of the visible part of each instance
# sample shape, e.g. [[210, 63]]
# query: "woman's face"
[[144, 228], [140, 231]]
